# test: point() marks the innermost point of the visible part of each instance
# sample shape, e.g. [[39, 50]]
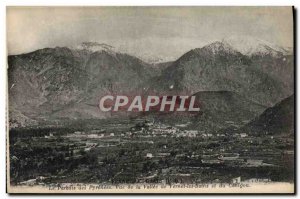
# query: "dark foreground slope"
[[277, 120], [218, 109]]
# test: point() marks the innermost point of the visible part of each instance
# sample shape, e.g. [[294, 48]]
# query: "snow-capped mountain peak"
[[218, 46], [95, 46], [252, 46]]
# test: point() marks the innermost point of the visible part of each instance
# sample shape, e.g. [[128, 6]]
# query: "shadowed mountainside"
[[276, 120]]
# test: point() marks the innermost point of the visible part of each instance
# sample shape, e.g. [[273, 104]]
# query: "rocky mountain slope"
[[61, 82]]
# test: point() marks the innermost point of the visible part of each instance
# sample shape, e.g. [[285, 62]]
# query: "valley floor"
[[148, 153]]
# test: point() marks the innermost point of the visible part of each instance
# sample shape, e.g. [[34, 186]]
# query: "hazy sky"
[[144, 31]]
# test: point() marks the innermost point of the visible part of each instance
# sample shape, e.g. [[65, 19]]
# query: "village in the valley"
[[148, 152]]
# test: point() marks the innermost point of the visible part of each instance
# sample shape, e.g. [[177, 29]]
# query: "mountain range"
[[62, 82]]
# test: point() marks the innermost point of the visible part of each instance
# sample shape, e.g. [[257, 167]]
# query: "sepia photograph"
[[150, 100]]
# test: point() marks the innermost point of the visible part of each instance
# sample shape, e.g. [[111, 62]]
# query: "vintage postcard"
[[150, 100]]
